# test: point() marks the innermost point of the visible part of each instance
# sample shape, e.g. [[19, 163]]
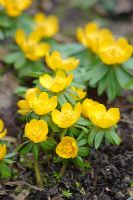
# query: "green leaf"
[[82, 127], [69, 98], [113, 87], [102, 85], [53, 126], [129, 64], [83, 122], [81, 135], [96, 73], [20, 91], [78, 161], [49, 144], [20, 62], [61, 99], [108, 136], [12, 57], [68, 50], [83, 151], [5, 171], [112, 136], [10, 155], [74, 131], [101, 71], [82, 142], [129, 85], [122, 76], [98, 138], [35, 151], [26, 149], [92, 135], [115, 137]]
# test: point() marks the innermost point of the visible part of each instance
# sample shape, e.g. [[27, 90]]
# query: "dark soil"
[[109, 177]]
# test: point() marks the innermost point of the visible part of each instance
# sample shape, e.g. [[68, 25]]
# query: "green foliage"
[[66, 193], [5, 171]]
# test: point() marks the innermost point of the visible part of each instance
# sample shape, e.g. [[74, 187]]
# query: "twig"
[[24, 183], [126, 121]]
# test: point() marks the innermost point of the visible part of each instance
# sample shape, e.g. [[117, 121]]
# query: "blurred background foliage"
[[114, 14]]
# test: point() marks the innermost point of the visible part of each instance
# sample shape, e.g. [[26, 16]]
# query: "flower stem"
[[37, 172], [63, 133], [63, 169]]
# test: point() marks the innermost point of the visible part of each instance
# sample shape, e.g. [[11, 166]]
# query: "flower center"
[[114, 51], [68, 148], [67, 117]]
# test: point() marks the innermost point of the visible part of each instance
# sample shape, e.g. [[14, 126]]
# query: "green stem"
[[37, 172], [63, 169], [52, 135], [63, 133]]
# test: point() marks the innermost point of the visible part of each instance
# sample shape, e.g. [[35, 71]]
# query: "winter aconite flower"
[[98, 114], [41, 103], [25, 104], [14, 8], [67, 148], [2, 151], [31, 46], [91, 36], [80, 93], [67, 116], [3, 131], [55, 61], [56, 84], [36, 130], [87, 106], [115, 51], [46, 26]]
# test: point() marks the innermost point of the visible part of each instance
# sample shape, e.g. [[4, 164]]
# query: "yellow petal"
[[53, 102], [45, 80], [56, 116], [66, 107], [39, 17], [20, 37], [69, 80], [42, 49], [3, 133], [77, 111], [1, 125], [2, 151]]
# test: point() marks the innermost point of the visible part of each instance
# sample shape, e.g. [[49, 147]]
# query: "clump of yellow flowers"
[[45, 26], [31, 46], [108, 60], [14, 8], [58, 119]]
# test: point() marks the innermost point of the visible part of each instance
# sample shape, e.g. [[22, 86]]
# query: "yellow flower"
[[54, 61], [42, 104], [98, 114], [3, 131], [67, 116], [91, 36], [36, 130], [31, 46], [2, 151], [67, 148], [87, 106], [115, 51], [80, 93], [14, 8], [57, 83], [26, 104], [46, 26]]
